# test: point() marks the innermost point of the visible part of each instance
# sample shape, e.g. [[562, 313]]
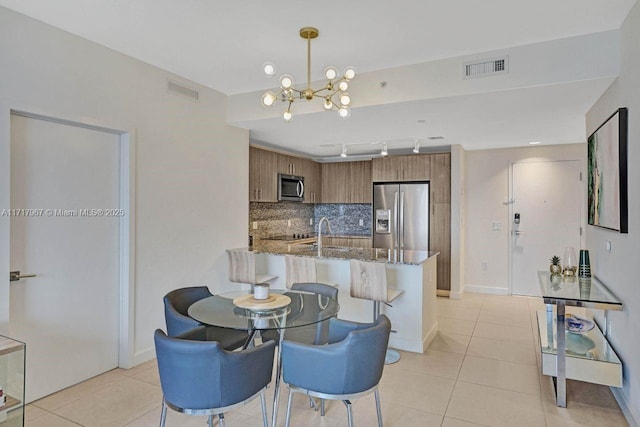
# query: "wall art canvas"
[[607, 174]]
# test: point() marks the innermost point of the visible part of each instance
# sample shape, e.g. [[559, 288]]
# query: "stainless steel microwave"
[[290, 188]]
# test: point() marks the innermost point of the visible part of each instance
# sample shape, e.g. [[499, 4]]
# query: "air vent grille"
[[486, 67], [182, 90]]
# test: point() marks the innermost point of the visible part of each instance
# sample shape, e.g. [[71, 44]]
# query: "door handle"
[[14, 276], [517, 232]]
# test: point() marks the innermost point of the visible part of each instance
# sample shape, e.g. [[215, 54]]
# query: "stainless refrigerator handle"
[[395, 220], [401, 222]]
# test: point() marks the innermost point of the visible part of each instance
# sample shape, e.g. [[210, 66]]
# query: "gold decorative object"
[[333, 93]]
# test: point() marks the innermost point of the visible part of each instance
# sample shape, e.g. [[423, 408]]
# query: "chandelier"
[[334, 93]]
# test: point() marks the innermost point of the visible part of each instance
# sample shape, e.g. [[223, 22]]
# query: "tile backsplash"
[[345, 217], [284, 218]]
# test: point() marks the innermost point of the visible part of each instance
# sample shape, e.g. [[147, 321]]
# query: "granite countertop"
[[343, 252]]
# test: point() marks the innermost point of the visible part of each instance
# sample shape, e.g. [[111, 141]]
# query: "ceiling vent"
[[486, 67], [182, 90]]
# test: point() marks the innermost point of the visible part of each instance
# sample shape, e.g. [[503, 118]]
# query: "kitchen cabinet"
[[440, 228], [414, 167], [312, 172], [441, 178], [346, 182], [440, 240], [12, 361], [263, 178], [291, 165]]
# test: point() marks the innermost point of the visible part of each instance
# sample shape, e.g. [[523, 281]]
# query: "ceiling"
[[222, 45]]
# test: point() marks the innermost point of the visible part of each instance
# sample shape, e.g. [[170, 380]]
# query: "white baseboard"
[[479, 289], [144, 356], [630, 413]]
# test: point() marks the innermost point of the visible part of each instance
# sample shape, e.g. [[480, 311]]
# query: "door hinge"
[[581, 231], [580, 176]]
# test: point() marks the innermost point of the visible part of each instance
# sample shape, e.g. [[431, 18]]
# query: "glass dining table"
[[304, 309]]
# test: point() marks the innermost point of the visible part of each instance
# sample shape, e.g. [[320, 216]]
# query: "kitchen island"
[[412, 315]]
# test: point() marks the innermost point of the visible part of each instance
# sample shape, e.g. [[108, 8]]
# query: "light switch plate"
[[254, 224]]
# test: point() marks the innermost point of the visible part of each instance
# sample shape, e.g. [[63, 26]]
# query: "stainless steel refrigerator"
[[401, 216]]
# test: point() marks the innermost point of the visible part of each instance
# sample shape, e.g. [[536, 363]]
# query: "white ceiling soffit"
[[561, 57]]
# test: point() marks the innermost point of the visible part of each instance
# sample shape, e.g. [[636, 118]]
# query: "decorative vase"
[[584, 267], [555, 269], [261, 291], [569, 262]]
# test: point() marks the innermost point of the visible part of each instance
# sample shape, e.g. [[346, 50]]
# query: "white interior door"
[[62, 176], [548, 197]]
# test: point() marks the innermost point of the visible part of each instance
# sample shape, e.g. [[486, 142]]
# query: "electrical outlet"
[[495, 225], [310, 221], [288, 223], [254, 224], [361, 222]]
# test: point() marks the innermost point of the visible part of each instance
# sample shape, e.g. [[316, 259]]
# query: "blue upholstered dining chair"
[[176, 304], [347, 368], [199, 377]]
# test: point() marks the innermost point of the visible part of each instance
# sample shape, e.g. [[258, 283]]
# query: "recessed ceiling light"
[[535, 142], [435, 137], [422, 121]]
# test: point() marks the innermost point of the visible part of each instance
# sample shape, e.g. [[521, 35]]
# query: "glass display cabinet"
[[12, 360]]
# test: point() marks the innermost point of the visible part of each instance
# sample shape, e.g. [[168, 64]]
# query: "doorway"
[[547, 211], [69, 227]]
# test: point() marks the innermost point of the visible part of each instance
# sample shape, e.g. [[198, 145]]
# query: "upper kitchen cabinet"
[[440, 178], [415, 167], [290, 165], [346, 182], [263, 178], [312, 172]]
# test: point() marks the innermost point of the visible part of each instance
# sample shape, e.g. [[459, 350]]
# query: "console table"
[[586, 356]]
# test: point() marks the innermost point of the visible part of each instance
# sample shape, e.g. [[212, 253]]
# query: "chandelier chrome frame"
[[334, 92]]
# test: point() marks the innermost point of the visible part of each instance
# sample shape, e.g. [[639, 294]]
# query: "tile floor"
[[481, 370]]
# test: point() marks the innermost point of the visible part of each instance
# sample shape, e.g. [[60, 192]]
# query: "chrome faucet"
[[324, 218]]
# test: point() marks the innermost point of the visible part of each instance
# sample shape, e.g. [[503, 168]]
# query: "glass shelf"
[[577, 292], [12, 359], [589, 356]]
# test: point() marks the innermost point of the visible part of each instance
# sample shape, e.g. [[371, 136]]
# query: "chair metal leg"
[[378, 410], [210, 420], [221, 420], [263, 403], [163, 414], [322, 407], [286, 420], [349, 413]]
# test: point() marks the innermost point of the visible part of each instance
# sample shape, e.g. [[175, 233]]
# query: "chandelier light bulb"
[[330, 73], [268, 99], [286, 81], [344, 151], [344, 112], [343, 86], [416, 147], [349, 73], [328, 104], [345, 99], [384, 151], [269, 69], [287, 116]]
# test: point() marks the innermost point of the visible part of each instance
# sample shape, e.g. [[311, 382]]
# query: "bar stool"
[[301, 270], [369, 281], [242, 268]]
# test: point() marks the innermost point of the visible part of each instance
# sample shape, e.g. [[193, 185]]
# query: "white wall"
[[487, 190], [191, 168], [617, 269]]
